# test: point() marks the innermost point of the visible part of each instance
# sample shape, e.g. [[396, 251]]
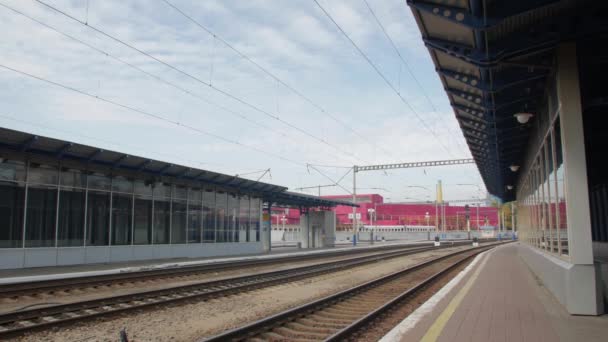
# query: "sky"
[[238, 87]]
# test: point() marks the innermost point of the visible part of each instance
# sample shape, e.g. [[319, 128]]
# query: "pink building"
[[392, 214]]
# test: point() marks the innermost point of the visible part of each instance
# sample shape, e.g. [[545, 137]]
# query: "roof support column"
[[582, 295], [575, 163]]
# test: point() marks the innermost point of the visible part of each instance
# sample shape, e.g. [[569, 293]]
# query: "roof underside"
[[26, 143], [494, 62]]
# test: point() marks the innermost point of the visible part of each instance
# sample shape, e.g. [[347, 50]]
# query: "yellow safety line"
[[435, 330]]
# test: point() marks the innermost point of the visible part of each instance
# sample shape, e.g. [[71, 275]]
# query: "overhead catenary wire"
[[274, 76], [153, 76], [151, 115], [409, 70], [197, 79], [382, 76], [330, 179]]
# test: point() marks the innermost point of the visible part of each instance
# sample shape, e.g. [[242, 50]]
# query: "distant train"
[[402, 228]]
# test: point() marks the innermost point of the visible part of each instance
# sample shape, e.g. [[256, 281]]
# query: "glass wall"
[[221, 224], [244, 219], [12, 203], [72, 204], [142, 213], [41, 206], [542, 198], [48, 206], [122, 209], [208, 215], [162, 213], [195, 213], [233, 216]]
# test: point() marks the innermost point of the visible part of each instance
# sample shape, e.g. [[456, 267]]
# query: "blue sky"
[[294, 40]]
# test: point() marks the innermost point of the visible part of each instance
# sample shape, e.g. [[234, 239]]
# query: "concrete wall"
[[574, 285], [39, 257], [398, 235], [318, 229]]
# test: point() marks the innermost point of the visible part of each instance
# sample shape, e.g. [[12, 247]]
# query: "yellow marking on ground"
[[433, 333]]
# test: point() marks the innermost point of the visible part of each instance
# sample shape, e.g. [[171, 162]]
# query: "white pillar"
[[575, 162]]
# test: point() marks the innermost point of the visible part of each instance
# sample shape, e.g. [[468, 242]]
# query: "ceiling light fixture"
[[514, 168], [523, 118], [509, 187]]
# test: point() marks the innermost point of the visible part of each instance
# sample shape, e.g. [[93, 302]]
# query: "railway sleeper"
[[300, 326], [320, 323], [292, 333]]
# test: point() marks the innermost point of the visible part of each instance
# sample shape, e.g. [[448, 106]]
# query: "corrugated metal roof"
[[493, 62], [35, 145]]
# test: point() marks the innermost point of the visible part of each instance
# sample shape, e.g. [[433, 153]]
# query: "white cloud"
[[291, 39]]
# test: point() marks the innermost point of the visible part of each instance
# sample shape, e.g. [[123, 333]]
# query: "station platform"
[[73, 271], [497, 298]]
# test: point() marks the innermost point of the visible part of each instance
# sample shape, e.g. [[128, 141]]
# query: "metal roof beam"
[[94, 155], [63, 150], [164, 169], [463, 17], [183, 173], [118, 161], [475, 113], [27, 144], [514, 78], [517, 45], [455, 15], [143, 165], [467, 96]]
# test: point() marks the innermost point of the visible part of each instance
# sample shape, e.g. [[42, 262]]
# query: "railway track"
[[40, 318], [341, 316], [67, 285]]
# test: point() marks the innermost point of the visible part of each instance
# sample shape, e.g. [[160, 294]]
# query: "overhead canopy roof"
[[493, 58], [293, 199], [26, 143]]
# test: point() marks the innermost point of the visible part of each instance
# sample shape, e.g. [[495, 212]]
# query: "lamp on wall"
[[523, 118], [514, 168], [509, 187]]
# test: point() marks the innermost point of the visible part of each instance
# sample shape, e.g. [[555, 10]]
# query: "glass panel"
[[121, 184], [162, 190], [180, 192], [12, 202], [73, 178], [99, 182], [254, 220], [561, 218], [142, 188], [98, 218], [233, 212], [220, 216], [40, 216], [43, 174], [162, 221], [71, 217], [244, 219], [209, 216], [142, 231], [122, 207], [178, 221], [11, 170], [195, 212]]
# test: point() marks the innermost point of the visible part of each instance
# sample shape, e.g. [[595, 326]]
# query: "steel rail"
[[27, 288], [265, 325], [33, 319]]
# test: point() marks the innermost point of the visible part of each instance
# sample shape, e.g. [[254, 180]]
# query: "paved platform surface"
[[501, 300], [42, 273]]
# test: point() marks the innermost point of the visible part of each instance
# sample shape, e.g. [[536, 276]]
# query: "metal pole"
[[354, 207], [512, 217], [477, 216]]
